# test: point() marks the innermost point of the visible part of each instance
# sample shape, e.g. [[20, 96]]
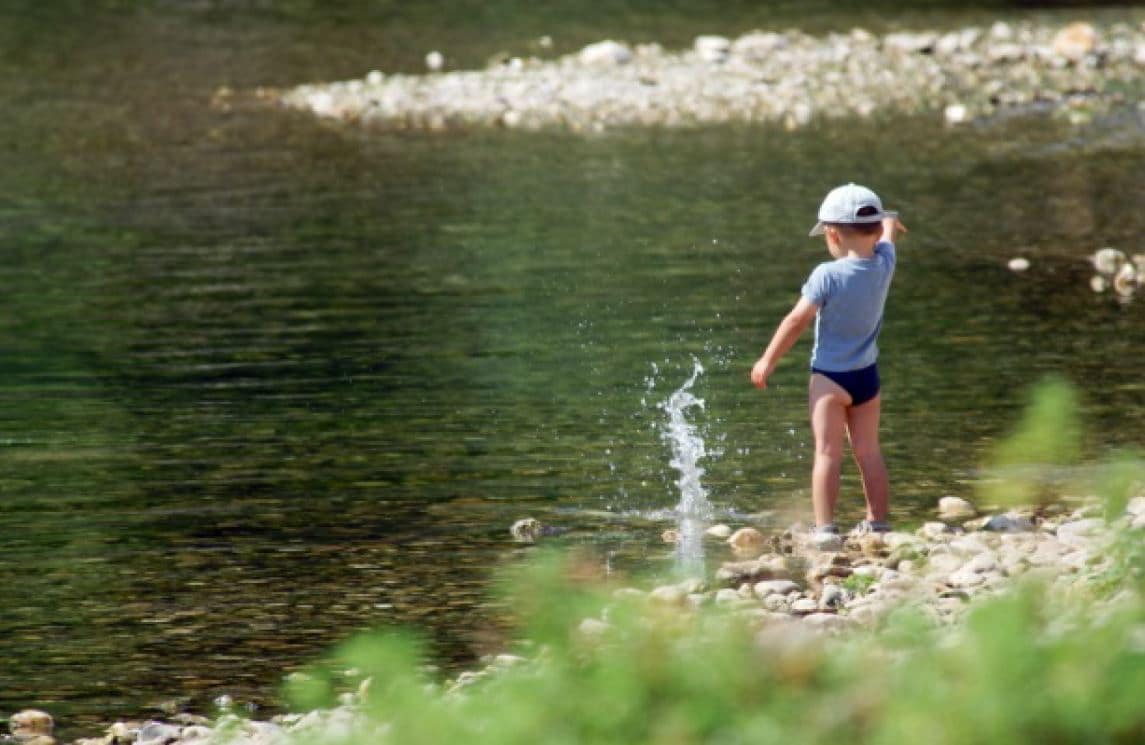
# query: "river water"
[[266, 382]]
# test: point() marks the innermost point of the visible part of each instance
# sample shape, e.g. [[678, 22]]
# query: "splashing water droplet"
[[687, 447]]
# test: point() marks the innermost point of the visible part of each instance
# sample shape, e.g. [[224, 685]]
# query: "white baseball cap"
[[849, 204]]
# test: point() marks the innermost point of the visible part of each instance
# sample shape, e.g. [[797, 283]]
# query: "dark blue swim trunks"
[[862, 384]]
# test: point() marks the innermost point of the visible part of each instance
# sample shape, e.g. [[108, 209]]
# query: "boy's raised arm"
[[892, 226]]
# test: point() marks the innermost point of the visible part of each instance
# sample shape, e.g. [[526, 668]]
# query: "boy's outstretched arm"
[[790, 329], [892, 226]]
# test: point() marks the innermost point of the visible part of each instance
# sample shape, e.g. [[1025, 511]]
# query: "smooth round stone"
[[592, 627], [826, 622], [721, 532], [965, 578], [30, 722], [1010, 522], [1018, 264], [774, 587], [747, 541], [1080, 532], [935, 531], [804, 605], [983, 562], [728, 596], [833, 596], [955, 507], [157, 733]]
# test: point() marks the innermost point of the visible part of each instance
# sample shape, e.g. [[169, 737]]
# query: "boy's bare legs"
[[827, 402], [863, 430]]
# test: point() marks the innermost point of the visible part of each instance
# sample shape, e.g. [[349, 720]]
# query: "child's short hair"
[[858, 228]]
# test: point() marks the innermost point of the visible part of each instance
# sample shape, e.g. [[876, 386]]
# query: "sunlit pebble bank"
[[1114, 272], [789, 78], [792, 586]]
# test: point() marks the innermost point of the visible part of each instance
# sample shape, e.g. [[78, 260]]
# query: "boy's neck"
[[858, 247]]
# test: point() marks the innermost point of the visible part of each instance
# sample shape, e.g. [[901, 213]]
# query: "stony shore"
[[787, 78], [788, 585]]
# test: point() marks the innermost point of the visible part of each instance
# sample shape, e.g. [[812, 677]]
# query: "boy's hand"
[[760, 373], [892, 226]]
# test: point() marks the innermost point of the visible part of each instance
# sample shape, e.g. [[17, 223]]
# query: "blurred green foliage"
[[1024, 668], [1027, 466]]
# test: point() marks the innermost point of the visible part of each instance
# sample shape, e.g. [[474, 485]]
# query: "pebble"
[[721, 532], [1010, 522], [774, 587], [953, 508], [833, 596], [1018, 264], [804, 605], [747, 541], [30, 722], [1079, 532], [435, 61]]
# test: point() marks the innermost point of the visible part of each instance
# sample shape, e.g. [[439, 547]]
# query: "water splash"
[[694, 509]]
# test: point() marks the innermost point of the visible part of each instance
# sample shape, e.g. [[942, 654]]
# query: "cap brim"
[[818, 229]]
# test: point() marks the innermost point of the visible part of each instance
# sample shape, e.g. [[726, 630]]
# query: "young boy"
[[846, 298]]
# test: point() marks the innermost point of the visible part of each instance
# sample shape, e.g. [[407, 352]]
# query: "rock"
[[747, 541], [944, 564], [592, 628], [873, 545], [982, 563], [434, 61], [969, 545], [1136, 506], [1125, 281], [712, 48], [774, 587], [693, 585], [904, 552], [37, 740], [825, 541], [965, 578], [669, 595], [1080, 532], [727, 596], [670, 536], [1075, 41], [157, 733], [954, 508], [30, 722], [526, 530], [1001, 31], [833, 596], [606, 52], [804, 605], [777, 603], [765, 567], [1018, 264], [758, 45], [828, 622], [721, 532], [935, 531], [910, 43], [1010, 522], [1108, 260], [956, 113]]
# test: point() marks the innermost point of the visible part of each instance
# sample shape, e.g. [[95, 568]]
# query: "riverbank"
[[788, 78], [791, 588]]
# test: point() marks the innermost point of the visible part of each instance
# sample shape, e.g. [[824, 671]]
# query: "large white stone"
[[712, 48], [774, 587], [953, 508], [606, 52], [1080, 532]]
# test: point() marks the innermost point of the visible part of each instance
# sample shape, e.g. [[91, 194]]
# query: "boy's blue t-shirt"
[[850, 294]]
